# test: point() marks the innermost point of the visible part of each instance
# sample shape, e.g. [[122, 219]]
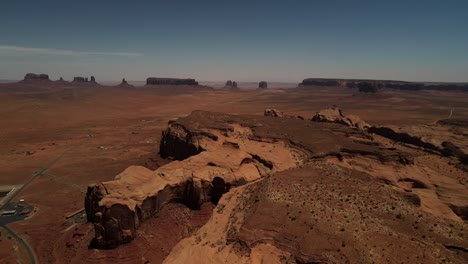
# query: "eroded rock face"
[[445, 136], [215, 152], [179, 143], [33, 76], [170, 81], [321, 213], [277, 113], [92, 79], [262, 85], [335, 115]]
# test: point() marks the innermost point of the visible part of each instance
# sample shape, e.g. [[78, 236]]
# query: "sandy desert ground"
[[102, 131]]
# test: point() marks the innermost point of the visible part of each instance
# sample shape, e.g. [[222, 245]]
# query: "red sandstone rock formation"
[[214, 153], [335, 115]]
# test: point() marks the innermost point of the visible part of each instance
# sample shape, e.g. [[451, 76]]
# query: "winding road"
[[5, 220]]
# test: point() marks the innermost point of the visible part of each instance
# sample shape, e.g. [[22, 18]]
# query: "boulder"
[[272, 112], [335, 115], [262, 85], [170, 81]]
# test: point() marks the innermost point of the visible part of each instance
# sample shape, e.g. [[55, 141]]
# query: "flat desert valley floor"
[[89, 135]]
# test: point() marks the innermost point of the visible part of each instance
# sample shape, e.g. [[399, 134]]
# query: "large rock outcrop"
[[447, 136], [36, 77], [215, 152], [273, 112], [277, 113], [170, 81], [335, 115], [322, 213]]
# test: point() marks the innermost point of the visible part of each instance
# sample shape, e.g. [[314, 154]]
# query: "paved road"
[[21, 242], [5, 220]]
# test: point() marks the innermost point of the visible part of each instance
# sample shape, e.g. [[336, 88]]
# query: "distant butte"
[[170, 81], [124, 83], [262, 85], [36, 77]]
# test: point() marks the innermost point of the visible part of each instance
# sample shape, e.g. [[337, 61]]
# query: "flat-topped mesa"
[[262, 85], [80, 79], [170, 81], [366, 85], [320, 82], [36, 77], [213, 152]]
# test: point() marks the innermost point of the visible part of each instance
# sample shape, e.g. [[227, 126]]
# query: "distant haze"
[[245, 41]]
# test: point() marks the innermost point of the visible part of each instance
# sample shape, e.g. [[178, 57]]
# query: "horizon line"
[[14, 50]]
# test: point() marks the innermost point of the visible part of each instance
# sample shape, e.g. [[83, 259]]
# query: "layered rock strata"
[[215, 152]]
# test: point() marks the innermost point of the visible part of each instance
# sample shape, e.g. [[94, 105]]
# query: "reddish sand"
[[106, 130]]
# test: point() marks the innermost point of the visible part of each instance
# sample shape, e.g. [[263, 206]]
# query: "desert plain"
[[339, 207]]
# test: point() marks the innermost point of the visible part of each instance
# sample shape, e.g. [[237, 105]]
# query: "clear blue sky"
[[241, 40]]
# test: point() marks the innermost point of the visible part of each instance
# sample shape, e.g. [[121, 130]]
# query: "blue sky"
[[240, 40]]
